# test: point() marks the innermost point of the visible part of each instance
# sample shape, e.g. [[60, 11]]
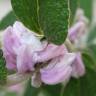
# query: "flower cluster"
[[48, 63]]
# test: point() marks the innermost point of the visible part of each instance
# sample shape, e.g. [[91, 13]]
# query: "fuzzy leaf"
[[3, 70], [51, 90], [31, 91], [48, 16], [86, 5], [73, 4], [85, 86], [53, 17]]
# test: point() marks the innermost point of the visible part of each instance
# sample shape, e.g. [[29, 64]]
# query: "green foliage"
[[52, 90], [85, 86], [31, 91], [91, 36], [88, 60], [26, 11], [46, 90], [11, 94], [49, 17], [86, 5], [3, 70], [73, 7], [7, 20], [93, 51], [91, 42], [53, 19]]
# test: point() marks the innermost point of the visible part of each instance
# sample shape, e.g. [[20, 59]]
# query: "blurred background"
[[5, 7], [6, 14]]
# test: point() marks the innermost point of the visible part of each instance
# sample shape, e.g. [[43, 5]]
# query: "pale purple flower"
[[58, 70], [25, 52], [15, 38], [78, 68], [74, 31], [10, 42], [50, 52], [27, 58], [78, 31], [62, 68], [24, 60]]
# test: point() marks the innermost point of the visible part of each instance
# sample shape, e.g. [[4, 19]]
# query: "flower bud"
[[78, 68]]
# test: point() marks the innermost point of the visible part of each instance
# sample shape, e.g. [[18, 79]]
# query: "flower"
[[50, 52], [78, 68], [59, 61], [75, 30], [78, 32], [14, 39], [48, 63], [58, 70]]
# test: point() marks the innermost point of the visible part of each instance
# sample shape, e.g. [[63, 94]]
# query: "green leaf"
[[91, 36], [48, 16], [73, 7], [91, 42], [86, 5], [7, 20], [52, 90], [3, 70], [89, 60], [92, 51], [11, 94], [53, 17], [27, 13], [85, 86], [31, 91]]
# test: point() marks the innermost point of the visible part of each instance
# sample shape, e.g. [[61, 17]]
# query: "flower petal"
[[78, 68], [58, 70], [10, 42], [24, 60], [74, 30], [50, 52]]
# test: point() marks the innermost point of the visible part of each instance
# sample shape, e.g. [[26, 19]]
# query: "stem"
[[70, 46], [16, 78], [62, 90]]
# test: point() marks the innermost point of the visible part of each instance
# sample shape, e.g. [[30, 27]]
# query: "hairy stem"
[[16, 78]]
